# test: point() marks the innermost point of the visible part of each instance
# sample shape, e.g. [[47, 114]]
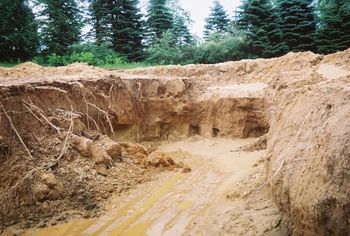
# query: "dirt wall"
[[308, 161], [59, 130]]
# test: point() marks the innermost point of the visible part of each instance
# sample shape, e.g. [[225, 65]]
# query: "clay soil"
[[255, 147]]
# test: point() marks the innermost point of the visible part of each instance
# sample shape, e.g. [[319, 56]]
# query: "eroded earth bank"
[[256, 147]]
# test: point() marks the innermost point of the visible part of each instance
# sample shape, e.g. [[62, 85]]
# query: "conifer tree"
[[261, 23], [298, 24], [127, 31], [181, 23], [218, 20], [61, 25], [99, 19], [334, 31], [118, 24], [159, 19], [18, 31]]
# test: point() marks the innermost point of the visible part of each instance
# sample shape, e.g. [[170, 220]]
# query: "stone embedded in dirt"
[[114, 150], [101, 170], [40, 191], [186, 169], [137, 150], [49, 187], [103, 150], [159, 159], [82, 145]]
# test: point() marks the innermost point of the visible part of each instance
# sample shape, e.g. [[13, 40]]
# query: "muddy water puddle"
[[176, 203]]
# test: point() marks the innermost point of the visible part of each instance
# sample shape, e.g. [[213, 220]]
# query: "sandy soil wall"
[[309, 157], [53, 132]]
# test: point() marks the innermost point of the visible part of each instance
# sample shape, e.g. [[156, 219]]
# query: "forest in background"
[[115, 33]]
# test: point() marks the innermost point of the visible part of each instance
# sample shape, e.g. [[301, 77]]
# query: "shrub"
[[55, 60], [218, 48], [165, 51], [95, 55], [85, 53]]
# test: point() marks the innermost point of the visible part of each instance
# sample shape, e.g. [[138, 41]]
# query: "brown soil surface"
[[196, 203], [68, 134]]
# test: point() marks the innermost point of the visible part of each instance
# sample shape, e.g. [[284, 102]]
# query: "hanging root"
[[286, 159], [110, 96], [31, 107], [17, 134], [106, 114], [95, 123], [29, 174], [273, 177], [51, 88], [69, 132], [2, 222]]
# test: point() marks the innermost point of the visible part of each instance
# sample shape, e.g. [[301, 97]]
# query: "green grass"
[[123, 66], [126, 66], [8, 64]]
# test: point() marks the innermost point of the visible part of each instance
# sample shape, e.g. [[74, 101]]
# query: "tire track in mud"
[[176, 203]]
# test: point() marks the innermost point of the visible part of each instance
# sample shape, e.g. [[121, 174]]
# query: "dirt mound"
[[339, 58], [32, 71], [245, 71], [28, 66]]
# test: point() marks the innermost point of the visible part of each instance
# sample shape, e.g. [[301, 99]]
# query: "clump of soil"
[[258, 145]]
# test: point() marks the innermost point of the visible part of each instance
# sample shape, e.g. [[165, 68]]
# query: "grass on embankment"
[[8, 64], [124, 66]]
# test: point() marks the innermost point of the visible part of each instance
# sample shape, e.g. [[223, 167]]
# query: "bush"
[[165, 51], [85, 53], [218, 48], [95, 55]]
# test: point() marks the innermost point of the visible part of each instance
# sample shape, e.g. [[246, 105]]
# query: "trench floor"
[[194, 203]]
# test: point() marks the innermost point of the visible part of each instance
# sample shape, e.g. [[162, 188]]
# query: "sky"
[[200, 9]]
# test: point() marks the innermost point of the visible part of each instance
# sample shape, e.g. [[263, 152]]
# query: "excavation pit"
[[82, 142]]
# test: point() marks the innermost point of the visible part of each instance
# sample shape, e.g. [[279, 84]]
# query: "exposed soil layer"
[[67, 134]]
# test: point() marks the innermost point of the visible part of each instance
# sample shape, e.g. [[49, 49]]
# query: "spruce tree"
[[18, 31], [99, 19], [159, 19], [61, 25], [298, 24], [127, 31], [218, 20], [260, 22], [118, 24], [181, 32], [334, 31], [181, 23]]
